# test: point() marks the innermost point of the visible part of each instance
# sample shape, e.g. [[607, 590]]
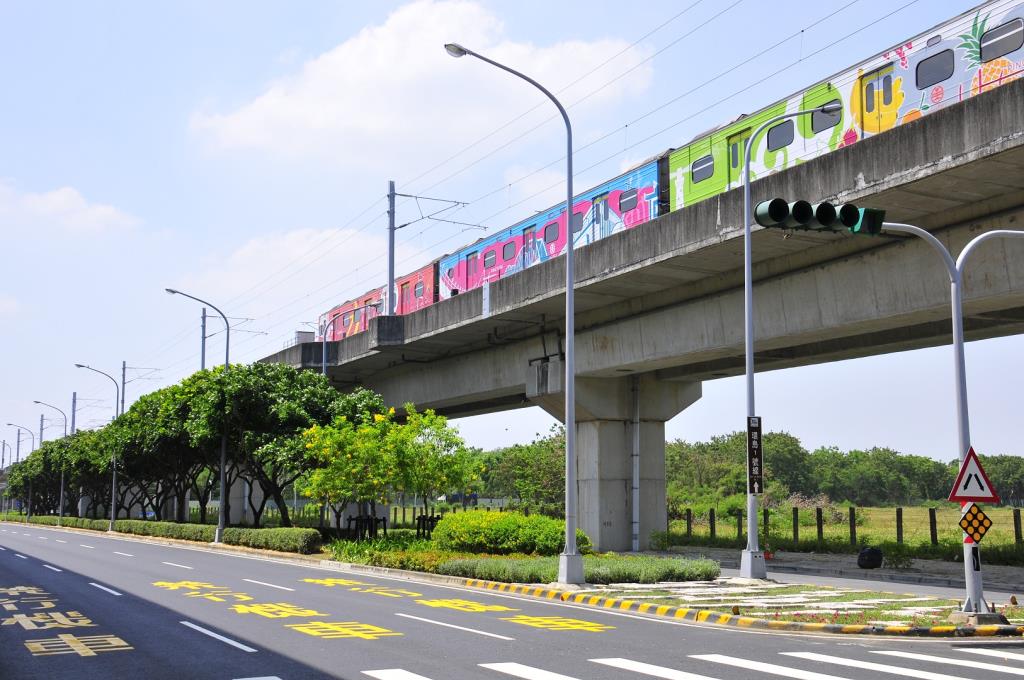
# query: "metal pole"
[[326, 330], [391, 248], [113, 450], [60, 509], [752, 559], [3, 500], [221, 519], [124, 371], [636, 463], [41, 429], [202, 343], [74, 407]]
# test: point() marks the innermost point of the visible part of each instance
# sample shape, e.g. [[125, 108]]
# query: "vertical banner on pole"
[[755, 456]]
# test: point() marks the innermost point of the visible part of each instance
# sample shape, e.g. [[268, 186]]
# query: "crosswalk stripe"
[[762, 667], [996, 652], [528, 672], [394, 674], [870, 666], [651, 669], [980, 665]]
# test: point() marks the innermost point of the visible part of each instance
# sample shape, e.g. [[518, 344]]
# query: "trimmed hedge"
[[304, 541], [503, 533], [596, 569]]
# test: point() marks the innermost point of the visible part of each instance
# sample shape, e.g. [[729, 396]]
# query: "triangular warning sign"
[[972, 483]]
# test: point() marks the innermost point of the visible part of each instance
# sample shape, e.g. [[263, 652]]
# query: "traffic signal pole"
[[975, 607]]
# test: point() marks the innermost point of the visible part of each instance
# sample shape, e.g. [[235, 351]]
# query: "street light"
[[4, 446], [570, 564], [752, 560], [221, 519], [60, 511], [326, 330], [28, 505], [114, 450]]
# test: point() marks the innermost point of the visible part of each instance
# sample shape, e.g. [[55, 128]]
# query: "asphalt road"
[[84, 605]]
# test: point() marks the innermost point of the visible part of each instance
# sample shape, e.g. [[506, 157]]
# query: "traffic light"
[[822, 216]]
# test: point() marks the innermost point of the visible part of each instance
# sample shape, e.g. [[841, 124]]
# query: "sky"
[[240, 151]]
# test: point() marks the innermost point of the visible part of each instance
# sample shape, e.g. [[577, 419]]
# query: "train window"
[[887, 90], [823, 121], [780, 135], [935, 69], [1002, 40], [489, 257], [627, 200], [450, 273], [702, 168], [346, 320], [869, 97], [551, 232], [508, 251], [418, 290], [734, 154], [577, 221], [358, 315]]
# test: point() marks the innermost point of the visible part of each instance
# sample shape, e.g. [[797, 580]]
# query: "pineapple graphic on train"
[[963, 57]]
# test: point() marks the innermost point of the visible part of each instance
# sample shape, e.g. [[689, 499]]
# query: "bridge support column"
[[605, 442]]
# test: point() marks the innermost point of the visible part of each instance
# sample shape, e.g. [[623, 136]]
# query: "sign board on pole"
[[975, 523], [972, 484], [755, 456]]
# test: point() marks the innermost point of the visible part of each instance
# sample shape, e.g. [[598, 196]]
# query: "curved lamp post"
[[752, 559], [4, 446], [221, 519], [28, 505], [60, 510], [113, 451], [326, 330], [570, 564]]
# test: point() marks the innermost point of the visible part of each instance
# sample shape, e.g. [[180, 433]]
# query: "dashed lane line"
[[175, 564], [870, 666], [53, 568], [394, 674], [2, 548], [527, 672], [650, 669], [997, 652], [269, 585], [20, 555], [41, 538], [59, 541], [124, 554], [229, 641], [83, 545], [109, 590], [452, 625]]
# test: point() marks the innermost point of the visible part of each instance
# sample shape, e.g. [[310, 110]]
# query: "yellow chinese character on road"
[[466, 605], [41, 602], [16, 591], [42, 620], [219, 595], [184, 585], [277, 610], [386, 592], [559, 623], [331, 582], [342, 629], [82, 646]]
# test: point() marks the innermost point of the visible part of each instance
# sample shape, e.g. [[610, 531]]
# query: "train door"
[[736, 156], [404, 299], [472, 263], [877, 100], [529, 252]]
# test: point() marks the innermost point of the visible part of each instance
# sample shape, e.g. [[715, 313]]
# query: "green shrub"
[[596, 569], [503, 533], [287, 539]]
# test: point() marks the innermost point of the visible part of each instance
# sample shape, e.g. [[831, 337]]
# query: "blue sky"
[[241, 151]]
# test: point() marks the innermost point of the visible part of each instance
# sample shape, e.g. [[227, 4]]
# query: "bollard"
[[933, 526], [853, 526], [1017, 536], [899, 525], [819, 520], [764, 523], [739, 525], [689, 523], [796, 525], [711, 521]]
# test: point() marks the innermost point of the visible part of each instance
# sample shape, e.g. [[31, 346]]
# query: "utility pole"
[[391, 248], [74, 405], [124, 370], [40, 430], [202, 344]]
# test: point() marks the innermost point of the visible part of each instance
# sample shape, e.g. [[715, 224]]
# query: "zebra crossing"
[[954, 663]]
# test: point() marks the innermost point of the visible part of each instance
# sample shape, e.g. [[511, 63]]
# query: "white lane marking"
[[172, 564], [109, 590], [52, 568], [59, 541], [26, 534], [269, 585], [41, 538], [2, 548], [979, 665], [124, 554], [394, 674], [650, 669], [83, 545], [229, 641], [452, 625], [20, 555], [868, 665], [528, 672], [762, 667], [262, 677], [996, 652]]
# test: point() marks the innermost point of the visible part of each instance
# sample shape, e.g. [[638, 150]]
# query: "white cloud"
[[63, 209], [8, 306], [391, 97]]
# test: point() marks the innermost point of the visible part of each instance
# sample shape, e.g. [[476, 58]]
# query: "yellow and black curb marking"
[[738, 621]]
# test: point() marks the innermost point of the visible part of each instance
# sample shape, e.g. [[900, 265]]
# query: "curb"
[[738, 621]]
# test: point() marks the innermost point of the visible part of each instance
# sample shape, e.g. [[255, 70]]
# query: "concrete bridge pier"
[[606, 413]]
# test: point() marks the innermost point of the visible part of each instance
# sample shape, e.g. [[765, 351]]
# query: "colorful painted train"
[[963, 57]]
